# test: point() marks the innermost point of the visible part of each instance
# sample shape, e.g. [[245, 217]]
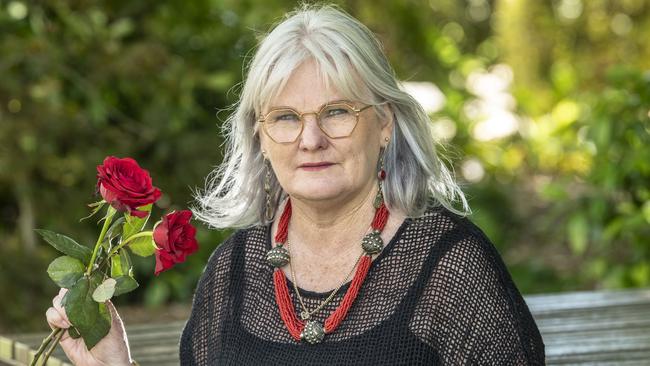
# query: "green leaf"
[[65, 297], [110, 212], [73, 332], [100, 252], [91, 318], [134, 224], [105, 291], [114, 229], [98, 203], [125, 262], [65, 271], [98, 206], [125, 284], [143, 246], [106, 246], [116, 266], [66, 245]]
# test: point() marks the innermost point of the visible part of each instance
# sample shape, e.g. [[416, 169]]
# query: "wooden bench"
[[587, 327], [594, 327]]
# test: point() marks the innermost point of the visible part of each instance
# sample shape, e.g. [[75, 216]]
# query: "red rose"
[[126, 186], [175, 239]]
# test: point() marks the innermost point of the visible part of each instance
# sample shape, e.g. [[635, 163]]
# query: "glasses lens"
[[338, 120], [283, 125]]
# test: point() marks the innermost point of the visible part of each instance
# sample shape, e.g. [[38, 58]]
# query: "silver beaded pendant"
[[379, 199], [372, 243], [278, 256], [313, 332]]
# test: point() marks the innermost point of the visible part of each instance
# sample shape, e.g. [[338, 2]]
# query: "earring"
[[268, 211], [278, 256], [381, 176]]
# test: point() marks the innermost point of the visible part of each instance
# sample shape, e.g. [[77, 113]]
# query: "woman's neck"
[[334, 229]]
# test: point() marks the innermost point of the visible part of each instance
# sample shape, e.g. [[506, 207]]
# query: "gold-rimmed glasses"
[[336, 119]]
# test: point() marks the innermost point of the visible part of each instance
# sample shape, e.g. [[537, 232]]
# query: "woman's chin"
[[317, 193]]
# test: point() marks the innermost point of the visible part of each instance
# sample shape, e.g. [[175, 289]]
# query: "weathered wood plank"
[[6, 348], [541, 303], [594, 327]]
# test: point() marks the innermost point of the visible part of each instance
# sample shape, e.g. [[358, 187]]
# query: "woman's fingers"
[[56, 302], [56, 316], [55, 320]]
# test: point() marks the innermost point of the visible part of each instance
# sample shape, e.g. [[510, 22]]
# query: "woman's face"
[[351, 169]]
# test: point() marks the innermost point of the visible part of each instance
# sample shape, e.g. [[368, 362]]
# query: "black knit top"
[[438, 294]]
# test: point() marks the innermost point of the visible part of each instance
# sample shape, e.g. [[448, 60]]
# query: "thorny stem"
[[124, 243], [107, 223], [53, 346], [44, 345]]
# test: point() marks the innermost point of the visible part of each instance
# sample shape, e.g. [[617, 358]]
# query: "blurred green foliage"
[[563, 191]]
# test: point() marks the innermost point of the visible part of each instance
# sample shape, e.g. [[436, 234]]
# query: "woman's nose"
[[312, 136]]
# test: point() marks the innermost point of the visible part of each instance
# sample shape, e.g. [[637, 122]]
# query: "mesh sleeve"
[[202, 332], [471, 310]]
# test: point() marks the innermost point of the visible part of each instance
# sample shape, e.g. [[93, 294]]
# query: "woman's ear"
[[388, 122], [262, 141]]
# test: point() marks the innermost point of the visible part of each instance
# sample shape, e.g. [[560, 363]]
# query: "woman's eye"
[[289, 117], [337, 112]]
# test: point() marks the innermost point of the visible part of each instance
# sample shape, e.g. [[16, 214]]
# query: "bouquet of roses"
[[93, 276]]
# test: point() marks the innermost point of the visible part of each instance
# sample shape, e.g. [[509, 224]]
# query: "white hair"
[[348, 55]]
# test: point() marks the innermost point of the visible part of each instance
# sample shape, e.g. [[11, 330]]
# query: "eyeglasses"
[[336, 119]]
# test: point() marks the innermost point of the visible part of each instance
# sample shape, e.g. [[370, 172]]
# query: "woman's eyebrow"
[[321, 106]]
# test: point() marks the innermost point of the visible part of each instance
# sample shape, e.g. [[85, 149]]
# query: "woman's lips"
[[315, 167]]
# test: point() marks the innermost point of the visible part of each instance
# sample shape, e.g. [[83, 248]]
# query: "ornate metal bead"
[[372, 242], [313, 332], [379, 198], [268, 211], [278, 256]]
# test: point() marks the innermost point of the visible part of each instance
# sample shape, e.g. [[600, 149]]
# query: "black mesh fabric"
[[438, 294]]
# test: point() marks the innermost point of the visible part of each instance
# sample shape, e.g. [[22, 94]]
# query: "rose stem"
[[107, 222], [124, 243], [52, 347], [44, 345], [130, 238]]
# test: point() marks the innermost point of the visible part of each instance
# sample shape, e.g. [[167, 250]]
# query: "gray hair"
[[350, 56]]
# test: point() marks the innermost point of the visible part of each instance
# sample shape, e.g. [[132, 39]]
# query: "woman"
[[349, 249]]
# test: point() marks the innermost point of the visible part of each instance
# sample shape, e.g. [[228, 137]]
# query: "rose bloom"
[[126, 186], [175, 239]]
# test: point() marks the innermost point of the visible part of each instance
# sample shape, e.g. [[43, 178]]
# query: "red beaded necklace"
[[311, 330]]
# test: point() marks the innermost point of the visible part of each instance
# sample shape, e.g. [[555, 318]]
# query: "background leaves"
[[553, 154]]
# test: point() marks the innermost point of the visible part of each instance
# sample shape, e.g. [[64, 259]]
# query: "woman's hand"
[[111, 350]]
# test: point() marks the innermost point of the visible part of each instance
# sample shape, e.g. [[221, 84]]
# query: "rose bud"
[[175, 239], [126, 186]]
